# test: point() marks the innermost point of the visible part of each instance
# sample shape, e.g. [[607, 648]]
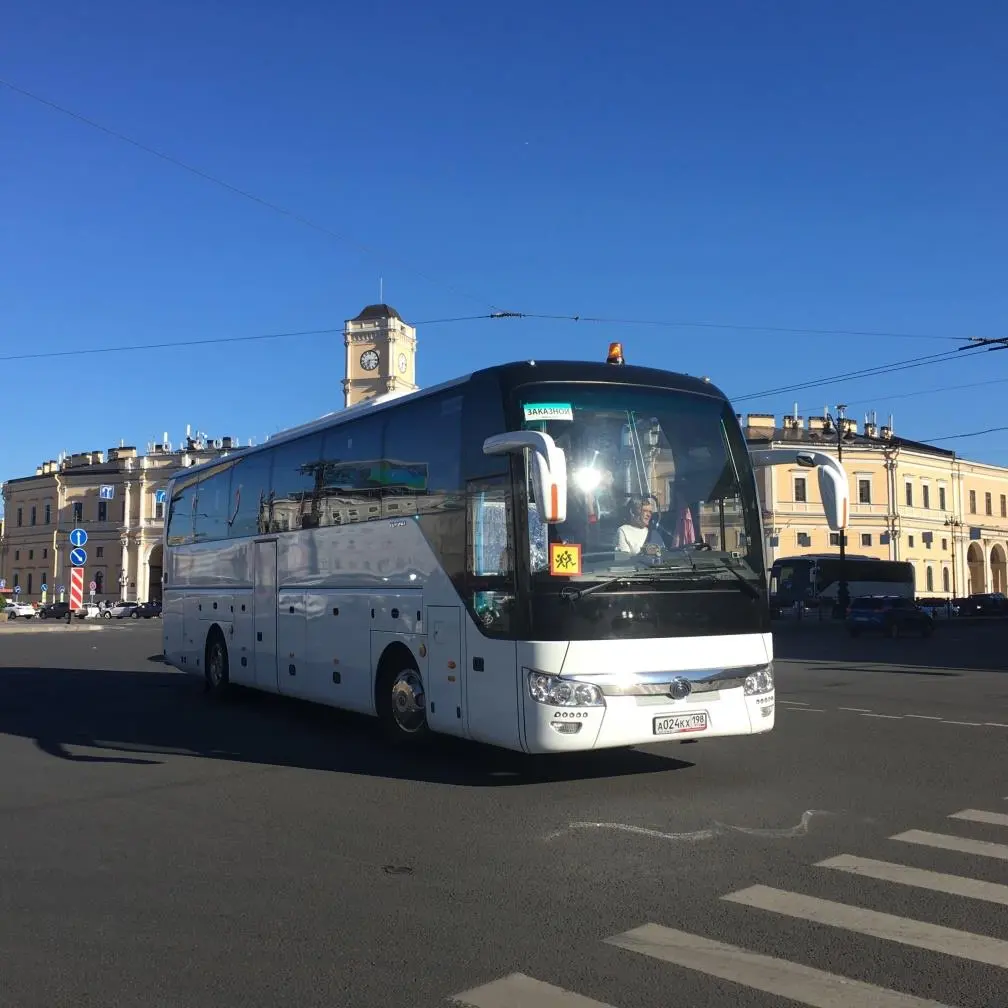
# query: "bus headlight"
[[558, 692], [760, 681]]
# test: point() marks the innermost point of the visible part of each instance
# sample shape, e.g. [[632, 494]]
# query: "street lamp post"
[[843, 590]]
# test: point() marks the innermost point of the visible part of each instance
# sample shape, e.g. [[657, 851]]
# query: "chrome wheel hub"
[[408, 701]]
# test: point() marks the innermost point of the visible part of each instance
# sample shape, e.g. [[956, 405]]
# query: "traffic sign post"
[[78, 557], [78, 538], [76, 588], [92, 588], [44, 589]]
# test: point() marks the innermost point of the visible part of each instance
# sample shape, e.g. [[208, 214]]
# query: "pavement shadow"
[[983, 648], [135, 717]]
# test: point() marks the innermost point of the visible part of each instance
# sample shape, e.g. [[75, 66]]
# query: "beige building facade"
[[910, 501], [117, 497]]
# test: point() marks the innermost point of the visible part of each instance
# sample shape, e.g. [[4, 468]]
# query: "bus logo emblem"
[[680, 688]]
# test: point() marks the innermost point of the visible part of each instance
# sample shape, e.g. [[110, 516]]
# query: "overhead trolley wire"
[[236, 190]]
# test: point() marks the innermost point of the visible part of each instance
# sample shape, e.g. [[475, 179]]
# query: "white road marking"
[[966, 724], [857, 710], [779, 977], [718, 829], [885, 871], [978, 815], [890, 717], [925, 717], [943, 841], [521, 991], [905, 931]]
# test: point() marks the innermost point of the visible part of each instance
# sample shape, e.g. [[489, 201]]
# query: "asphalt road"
[[160, 849]]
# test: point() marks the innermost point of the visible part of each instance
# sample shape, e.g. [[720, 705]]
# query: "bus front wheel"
[[402, 702]]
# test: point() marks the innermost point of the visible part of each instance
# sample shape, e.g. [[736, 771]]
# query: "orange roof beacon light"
[[615, 354]]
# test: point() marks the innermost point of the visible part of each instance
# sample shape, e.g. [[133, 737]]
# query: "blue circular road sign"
[[78, 537], [44, 587], [78, 557], [17, 589]]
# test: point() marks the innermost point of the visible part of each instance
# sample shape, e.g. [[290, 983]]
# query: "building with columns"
[[909, 501], [117, 497]]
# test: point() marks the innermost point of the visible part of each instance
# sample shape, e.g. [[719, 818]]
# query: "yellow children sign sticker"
[[565, 558]]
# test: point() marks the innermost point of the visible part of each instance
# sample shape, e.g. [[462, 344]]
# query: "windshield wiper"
[[751, 590], [571, 594]]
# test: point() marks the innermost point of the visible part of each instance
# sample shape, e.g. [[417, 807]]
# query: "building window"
[[19, 518], [910, 541], [799, 491], [834, 539], [29, 583], [941, 498], [159, 510], [45, 554], [16, 577], [48, 514], [929, 579], [17, 556], [926, 493], [864, 491], [102, 511], [909, 494], [803, 539], [1004, 506], [99, 580], [944, 544], [31, 554], [78, 512], [99, 552], [34, 514], [972, 501], [866, 538], [945, 579], [988, 504]]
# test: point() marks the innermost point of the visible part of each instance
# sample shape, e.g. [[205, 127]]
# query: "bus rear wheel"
[[402, 703], [215, 670]]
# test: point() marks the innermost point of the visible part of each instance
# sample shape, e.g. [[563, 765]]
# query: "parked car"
[[985, 604], [88, 611], [939, 608], [888, 614], [145, 610], [54, 610], [119, 610], [23, 609]]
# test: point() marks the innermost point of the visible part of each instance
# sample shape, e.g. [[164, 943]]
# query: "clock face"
[[369, 360], [403, 363]]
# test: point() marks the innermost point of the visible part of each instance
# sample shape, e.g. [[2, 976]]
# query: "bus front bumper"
[[640, 709]]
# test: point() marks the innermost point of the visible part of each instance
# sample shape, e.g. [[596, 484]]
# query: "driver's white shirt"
[[630, 538]]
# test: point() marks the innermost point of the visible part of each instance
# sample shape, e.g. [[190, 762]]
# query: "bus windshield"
[[659, 488]]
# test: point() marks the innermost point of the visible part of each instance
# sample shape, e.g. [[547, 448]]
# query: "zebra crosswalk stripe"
[[520, 991], [905, 931], [779, 977], [885, 871]]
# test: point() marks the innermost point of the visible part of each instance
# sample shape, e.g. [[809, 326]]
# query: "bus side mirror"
[[835, 493], [548, 466], [833, 486]]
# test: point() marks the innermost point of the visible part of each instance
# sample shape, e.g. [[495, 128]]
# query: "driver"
[[631, 537]]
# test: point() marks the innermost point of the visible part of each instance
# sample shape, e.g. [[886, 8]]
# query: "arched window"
[[945, 579], [929, 579]]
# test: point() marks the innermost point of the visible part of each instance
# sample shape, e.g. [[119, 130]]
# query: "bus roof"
[[512, 373]]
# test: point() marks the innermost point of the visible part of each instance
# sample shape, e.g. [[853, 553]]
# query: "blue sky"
[[794, 165]]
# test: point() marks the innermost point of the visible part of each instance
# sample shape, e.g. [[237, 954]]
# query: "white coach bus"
[[543, 556]]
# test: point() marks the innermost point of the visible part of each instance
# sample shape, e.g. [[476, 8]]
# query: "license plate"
[[677, 724]]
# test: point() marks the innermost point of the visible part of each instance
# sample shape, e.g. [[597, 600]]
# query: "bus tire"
[[215, 664], [400, 698]]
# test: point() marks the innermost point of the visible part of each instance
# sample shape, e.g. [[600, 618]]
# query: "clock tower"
[[380, 355]]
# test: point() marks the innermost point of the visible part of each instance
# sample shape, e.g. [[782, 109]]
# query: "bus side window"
[[250, 486], [490, 553]]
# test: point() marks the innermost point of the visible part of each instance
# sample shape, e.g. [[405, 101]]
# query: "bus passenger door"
[[264, 615], [444, 670]]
